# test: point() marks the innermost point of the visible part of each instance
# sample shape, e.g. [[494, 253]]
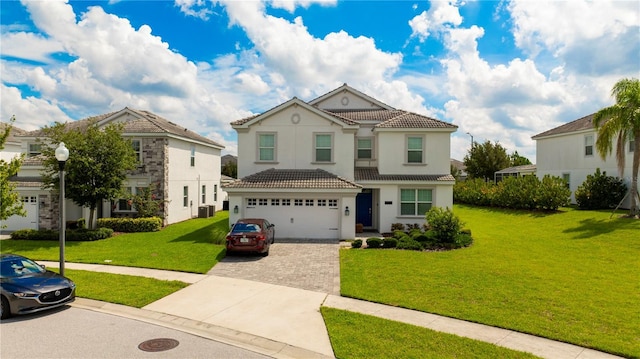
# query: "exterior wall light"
[[346, 211], [236, 209]]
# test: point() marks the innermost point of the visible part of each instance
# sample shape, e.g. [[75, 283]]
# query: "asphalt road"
[[70, 332]]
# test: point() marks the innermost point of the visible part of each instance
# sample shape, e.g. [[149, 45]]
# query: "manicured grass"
[[355, 335], [121, 289], [195, 246], [571, 276]]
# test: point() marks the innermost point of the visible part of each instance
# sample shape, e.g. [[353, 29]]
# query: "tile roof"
[[26, 181], [147, 123], [293, 179], [15, 131], [33, 160], [584, 123], [372, 174]]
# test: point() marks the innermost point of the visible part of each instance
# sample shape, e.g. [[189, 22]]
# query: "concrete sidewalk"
[[285, 322]]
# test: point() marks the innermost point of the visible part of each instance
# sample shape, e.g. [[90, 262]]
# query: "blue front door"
[[364, 206]]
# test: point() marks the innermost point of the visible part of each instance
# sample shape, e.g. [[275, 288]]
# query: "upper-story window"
[[415, 149], [193, 155], [365, 148], [137, 148], [588, 145], [266, 147], [323, 144], [34, 149]]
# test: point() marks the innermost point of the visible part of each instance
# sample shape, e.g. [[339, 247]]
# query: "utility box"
[[212, 211], [203, 212]]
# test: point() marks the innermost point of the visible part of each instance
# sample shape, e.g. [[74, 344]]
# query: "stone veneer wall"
[[47, 212], [155, 166]]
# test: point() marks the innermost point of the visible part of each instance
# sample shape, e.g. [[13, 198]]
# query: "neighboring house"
[[316, 169], [569, 151], [462, 169], [516, 171], [181, 166]]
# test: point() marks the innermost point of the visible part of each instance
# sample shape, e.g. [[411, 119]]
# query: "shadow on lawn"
[[517, 212], [214, 233], [591, 227]]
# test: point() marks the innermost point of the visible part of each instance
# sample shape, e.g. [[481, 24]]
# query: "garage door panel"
[[30, 205], [305, 220]]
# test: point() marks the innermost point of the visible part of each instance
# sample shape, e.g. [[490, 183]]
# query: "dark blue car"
[[28, 287]]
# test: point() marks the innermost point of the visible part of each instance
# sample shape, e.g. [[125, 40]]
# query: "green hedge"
[[70, 235], [149, 224], [527, 192]]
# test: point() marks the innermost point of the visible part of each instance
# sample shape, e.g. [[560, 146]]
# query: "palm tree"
[[621, 122]]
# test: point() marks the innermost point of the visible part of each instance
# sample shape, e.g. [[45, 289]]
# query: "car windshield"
[[18, 267], [246, 227]]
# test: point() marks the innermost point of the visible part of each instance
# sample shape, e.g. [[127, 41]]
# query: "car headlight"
[[25, 295]]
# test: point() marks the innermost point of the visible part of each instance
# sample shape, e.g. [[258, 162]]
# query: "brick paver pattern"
[[310, 265]]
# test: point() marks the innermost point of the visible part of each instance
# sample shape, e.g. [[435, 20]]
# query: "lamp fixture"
[[346, 211], [236, 209]]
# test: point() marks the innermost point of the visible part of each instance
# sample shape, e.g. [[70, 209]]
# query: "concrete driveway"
[[312, 265]]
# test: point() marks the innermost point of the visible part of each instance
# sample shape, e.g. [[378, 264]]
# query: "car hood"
[[39, 283]]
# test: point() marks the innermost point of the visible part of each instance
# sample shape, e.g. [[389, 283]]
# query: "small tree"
[[444, 224], [146, 203], [230, 169], [483, 160], [99, 159], [600, 191], [516, 160], [10, 203]]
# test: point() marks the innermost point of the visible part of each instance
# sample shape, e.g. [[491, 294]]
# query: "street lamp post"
[[471, 139], [62, 154]]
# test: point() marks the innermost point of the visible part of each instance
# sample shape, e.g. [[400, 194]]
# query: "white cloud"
[[31, 113], [291, 5], [440, 15], [29, 46]]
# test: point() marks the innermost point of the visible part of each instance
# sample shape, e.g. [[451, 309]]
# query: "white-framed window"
[[275, 201], [251, 201], [297, 202], [204, 194], [263, 202], [34, 149], [215, 193], [364, 149], [286, 202], [322, 203], [193, 155], [323, 147], [415, 201], [333, 203], [137, 148], [308, 202], [415, 149], [588, 145], [185, 196], [567, 179], [267, 147]]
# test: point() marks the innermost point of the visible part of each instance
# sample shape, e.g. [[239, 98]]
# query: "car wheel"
[[5, 311]]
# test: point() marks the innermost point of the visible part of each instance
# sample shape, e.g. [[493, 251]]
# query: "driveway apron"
[[312, 265]]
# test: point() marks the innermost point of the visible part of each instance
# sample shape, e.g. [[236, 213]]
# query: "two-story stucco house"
[[569, 151], [316, 169], [181, 166]]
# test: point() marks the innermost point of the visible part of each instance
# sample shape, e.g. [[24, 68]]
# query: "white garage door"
[[298, 218], [15, 223]]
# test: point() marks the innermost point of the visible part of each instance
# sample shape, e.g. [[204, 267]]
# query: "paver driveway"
[[311, 265]]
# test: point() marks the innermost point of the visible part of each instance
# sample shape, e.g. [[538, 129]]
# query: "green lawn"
[[355, 335], [127, 290], [570, 276], [191, 246]]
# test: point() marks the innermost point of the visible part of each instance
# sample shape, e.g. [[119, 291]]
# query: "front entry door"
[[364, 208]]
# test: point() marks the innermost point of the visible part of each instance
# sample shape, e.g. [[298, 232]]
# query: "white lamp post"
[[62, 154], [471, 139]]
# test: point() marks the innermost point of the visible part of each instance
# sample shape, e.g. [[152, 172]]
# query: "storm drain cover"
[[158, 345]]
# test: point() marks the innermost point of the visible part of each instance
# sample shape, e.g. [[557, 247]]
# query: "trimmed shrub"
[[82, 223], [463, 240], [397, 227], [399, 234], [444, 224], [374, 242], [150, 224], [70, 235], [389, 243], [409, 244], [357, 243], [600, 191]]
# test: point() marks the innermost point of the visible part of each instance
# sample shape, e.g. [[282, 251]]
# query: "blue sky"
[[500, 70]]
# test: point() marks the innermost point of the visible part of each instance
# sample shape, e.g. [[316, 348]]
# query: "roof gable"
[[294, 102], [581, 124], [346, 97]]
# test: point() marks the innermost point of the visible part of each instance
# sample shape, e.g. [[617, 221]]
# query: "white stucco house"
[[568, 151], [316, 169], [181, 166]]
